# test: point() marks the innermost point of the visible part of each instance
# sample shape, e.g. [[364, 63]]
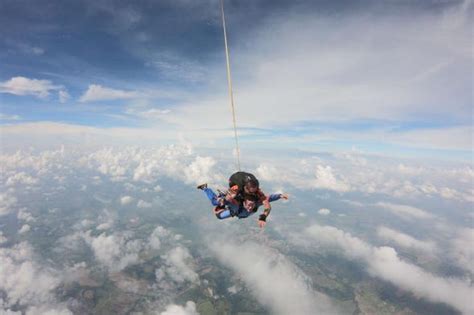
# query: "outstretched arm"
[[275, 197], [262, 219]]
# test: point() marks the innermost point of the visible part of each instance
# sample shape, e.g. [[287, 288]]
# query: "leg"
[[211, 196]]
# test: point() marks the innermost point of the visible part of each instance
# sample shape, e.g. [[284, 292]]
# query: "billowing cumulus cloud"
[[25, 216], [23, 280], [154, 239], [24, 229], [125, 200], [200, 170], [324, 211], [325, 179], [385, 263], [269, 275], [6, 203], [114, 251], [178, 266]]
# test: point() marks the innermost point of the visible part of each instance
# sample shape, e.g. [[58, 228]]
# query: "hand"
[[230, 196], [261, 223]]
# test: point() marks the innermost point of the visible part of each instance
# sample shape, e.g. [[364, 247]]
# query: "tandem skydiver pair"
[[242, 199]]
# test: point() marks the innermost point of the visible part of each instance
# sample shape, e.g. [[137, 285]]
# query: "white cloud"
[[22, 280], [200, 170], [353, 247], [405, 211], [25, 216], [21, 178], [125, 200], [6, 203], [325, 179], [149, 165], [324, 211], [154, 239], [462, 250], [405, 240], [105, 225], [25, 86], [179, 266], [233, 289], [455, 292], [147, 113], [25, 228], [143, 204], [384, 263], [115, 251], [188, 309], [97, 92], [146, 171], [106, 248], [269, 275], [447, 193]]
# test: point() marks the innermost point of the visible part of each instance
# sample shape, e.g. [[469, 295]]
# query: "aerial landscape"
[[112, 113]]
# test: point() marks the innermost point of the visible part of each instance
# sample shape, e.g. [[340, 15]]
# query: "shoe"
[[202, 186]]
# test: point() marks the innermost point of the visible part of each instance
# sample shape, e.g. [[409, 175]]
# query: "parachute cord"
[[229, 82]]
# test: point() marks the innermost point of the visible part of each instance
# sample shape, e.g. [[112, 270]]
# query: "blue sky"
[[390, 77]]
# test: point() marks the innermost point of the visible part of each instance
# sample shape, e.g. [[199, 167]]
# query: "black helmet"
[[252, 183]]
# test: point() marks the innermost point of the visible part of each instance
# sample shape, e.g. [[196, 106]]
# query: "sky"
[[391, 77]]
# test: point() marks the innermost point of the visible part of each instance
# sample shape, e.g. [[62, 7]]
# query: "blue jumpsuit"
[[232, 209]]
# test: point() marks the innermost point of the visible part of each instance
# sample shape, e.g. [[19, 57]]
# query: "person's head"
[[249, 204], [251, 186]]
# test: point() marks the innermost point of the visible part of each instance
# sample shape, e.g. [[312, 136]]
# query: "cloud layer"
[[385, 263], [269, 275]]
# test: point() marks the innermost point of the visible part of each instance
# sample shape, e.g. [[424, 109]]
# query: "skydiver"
[[226, 206], [243, 183]]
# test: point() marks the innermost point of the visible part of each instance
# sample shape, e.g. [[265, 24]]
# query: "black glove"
[[263, 218]]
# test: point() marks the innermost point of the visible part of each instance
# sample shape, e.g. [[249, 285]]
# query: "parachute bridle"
[[229, 82]]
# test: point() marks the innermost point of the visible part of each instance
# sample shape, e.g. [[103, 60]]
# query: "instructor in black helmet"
[[243, 185]]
